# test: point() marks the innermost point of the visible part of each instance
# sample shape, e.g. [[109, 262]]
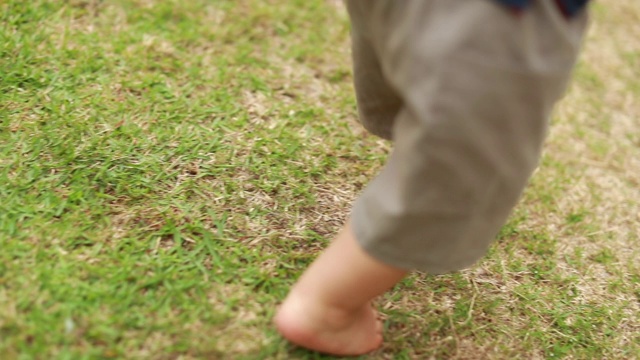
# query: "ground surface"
[[168, 168]]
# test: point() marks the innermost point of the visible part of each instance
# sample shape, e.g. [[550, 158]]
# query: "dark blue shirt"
[[568, 7]]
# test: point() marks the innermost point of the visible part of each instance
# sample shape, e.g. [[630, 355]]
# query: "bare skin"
[[329, 309]]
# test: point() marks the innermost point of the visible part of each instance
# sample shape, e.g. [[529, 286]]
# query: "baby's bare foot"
[[328, 329]]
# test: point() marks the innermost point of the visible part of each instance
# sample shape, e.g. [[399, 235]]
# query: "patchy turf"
[[168, 168]]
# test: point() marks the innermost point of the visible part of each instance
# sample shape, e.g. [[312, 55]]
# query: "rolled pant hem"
[[393, 256]]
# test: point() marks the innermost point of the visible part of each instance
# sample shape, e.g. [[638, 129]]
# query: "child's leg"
[[476, 85], [329, 309]]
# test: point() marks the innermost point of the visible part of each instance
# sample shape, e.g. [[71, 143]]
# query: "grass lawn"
[[168, 168]]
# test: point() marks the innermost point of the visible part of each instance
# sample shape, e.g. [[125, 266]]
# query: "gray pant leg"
[[378, 103], [477, 86]]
